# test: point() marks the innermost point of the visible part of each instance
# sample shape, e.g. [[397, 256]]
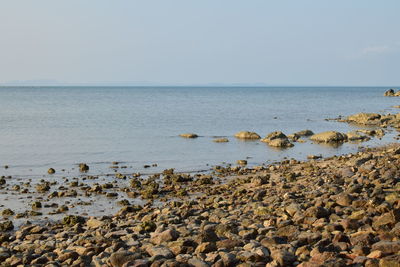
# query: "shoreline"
[[310, 212]]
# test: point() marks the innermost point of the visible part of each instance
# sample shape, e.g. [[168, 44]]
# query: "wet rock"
[[6, 226], [329, 137], [189, 135], [221, 140], [242, 162], [282, 142], [304, 133], [36, 205], [7, 212], [51, 171], [247, 135], [365, 118], [277, 139], [354, 136], [83, 167], [389, 92], [42, 188], [72, 220]]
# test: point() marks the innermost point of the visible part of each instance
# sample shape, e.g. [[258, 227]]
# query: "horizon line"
[[106, 84]]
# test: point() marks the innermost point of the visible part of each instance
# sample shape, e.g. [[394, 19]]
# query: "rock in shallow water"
[[247, 135], [329, 137], [189, 135]]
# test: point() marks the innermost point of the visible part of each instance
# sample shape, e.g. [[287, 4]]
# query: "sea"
[[60, 127]]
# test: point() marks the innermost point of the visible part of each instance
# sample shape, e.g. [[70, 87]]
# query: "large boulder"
[[274, 135], [277, 139], [329, 137], [247, 135], [389, 92], [281, 142], [365, 118]]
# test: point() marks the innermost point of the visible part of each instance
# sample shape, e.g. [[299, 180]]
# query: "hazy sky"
[[307, 42]]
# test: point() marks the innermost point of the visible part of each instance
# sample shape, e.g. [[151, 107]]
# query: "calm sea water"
[[61, 126]]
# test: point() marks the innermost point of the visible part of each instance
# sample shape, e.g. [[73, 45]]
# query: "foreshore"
[[336, 211]]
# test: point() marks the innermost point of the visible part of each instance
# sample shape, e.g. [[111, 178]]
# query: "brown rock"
[[247, 135]]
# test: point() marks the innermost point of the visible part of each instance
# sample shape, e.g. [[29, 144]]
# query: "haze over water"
[[62, 126]]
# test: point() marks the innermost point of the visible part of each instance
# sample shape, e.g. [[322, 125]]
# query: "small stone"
[[94, 223], [283, 257], [165, 236], [83, 167], [189, 135], [118, 259], [206, 247], [221, 140]]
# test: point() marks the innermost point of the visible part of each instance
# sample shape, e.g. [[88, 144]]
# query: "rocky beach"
[[199, 133], [336, 211]]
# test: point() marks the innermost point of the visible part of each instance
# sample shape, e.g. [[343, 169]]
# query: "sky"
[[203, 42]]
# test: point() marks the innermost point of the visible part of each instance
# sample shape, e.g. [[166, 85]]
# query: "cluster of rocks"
[[338, 211], [374, 119], [391, 92]]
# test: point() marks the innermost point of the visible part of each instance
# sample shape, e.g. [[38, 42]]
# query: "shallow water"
[[61, 126]]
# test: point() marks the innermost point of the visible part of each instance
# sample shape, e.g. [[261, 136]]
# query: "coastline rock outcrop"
[[247, 135], [391, 92], [365, 118], [329, 137], [374, 119]]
